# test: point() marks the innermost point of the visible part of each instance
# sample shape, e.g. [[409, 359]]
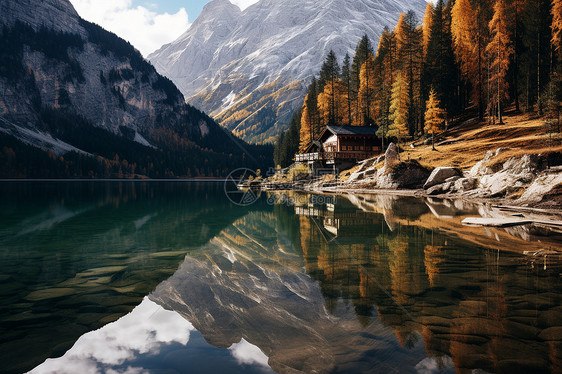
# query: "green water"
[[180, 279]]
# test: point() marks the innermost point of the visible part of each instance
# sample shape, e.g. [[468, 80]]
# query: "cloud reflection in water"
[[145, 330], [145, 336]]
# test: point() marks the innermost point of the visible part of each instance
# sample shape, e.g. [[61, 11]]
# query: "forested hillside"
[[465, 58], [77, 101]]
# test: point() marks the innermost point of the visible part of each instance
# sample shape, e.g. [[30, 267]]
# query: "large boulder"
[[515, 173], [391, 156], [541, 187], [409, 174], [440, 175]]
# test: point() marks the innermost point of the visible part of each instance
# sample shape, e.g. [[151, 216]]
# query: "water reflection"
[[372, 286], [357, 284], [75, 256], [142, 341]]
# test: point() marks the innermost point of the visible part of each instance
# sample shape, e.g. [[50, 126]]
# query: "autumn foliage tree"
[[434, 117], [557, 27], [500, 49], [399, 108]]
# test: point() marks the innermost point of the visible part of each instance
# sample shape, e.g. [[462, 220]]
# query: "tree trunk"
[[433, 140], [539, 106], [499, 84], [516, 60]]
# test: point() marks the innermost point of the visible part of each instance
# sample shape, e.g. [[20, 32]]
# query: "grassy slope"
[[466, 144]]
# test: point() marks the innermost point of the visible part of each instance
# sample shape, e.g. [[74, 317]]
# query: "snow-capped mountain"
[[249, 69]]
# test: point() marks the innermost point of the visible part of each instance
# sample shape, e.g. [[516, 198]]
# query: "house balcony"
[[331, 157]]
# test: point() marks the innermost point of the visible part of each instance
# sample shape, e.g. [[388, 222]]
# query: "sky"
[[146, 24]]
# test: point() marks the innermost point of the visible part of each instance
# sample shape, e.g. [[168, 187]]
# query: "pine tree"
[[434, 117], [399, 106], [440, 68], [366, 113], [288, 143], [500, 49], [310, 125], [346, 79], [329, 73], [464, 31], [536, 56], [362, 52], [385, 62], [305, 133]]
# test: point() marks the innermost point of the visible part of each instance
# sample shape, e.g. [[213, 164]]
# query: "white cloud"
[[243, 4], [144, 28]]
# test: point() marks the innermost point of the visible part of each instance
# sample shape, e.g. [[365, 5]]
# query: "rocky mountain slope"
[[69, 86], [249, 69]]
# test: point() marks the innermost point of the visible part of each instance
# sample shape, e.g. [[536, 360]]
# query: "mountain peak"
[[58, 15], [218, 9], [249, 69]]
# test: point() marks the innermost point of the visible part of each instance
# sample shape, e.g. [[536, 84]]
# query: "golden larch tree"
[[464, 30], [434, 117], [332, 104], [399, 104], [306, 131], [500, 49], [557, 26], [426, 28]]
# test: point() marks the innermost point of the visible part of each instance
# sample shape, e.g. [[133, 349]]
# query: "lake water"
[[173, 277]]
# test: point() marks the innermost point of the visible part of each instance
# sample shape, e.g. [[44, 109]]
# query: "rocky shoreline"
[[527, 182]]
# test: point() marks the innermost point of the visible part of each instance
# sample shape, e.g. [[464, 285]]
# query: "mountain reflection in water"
[[356, 284], [338, 289]]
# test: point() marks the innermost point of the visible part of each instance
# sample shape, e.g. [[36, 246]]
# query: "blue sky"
[[193, 7]]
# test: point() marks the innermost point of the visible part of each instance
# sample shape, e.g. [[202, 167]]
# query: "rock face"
[[59, 66], [542, 186], [250, 69], [59, 15]]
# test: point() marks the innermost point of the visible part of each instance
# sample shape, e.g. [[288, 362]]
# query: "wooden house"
[[341, 147]]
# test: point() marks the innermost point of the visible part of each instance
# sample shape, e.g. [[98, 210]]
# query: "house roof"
[[351, 130], [311, 146]]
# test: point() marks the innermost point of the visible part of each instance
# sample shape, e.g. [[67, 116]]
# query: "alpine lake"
[[189, 277]]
